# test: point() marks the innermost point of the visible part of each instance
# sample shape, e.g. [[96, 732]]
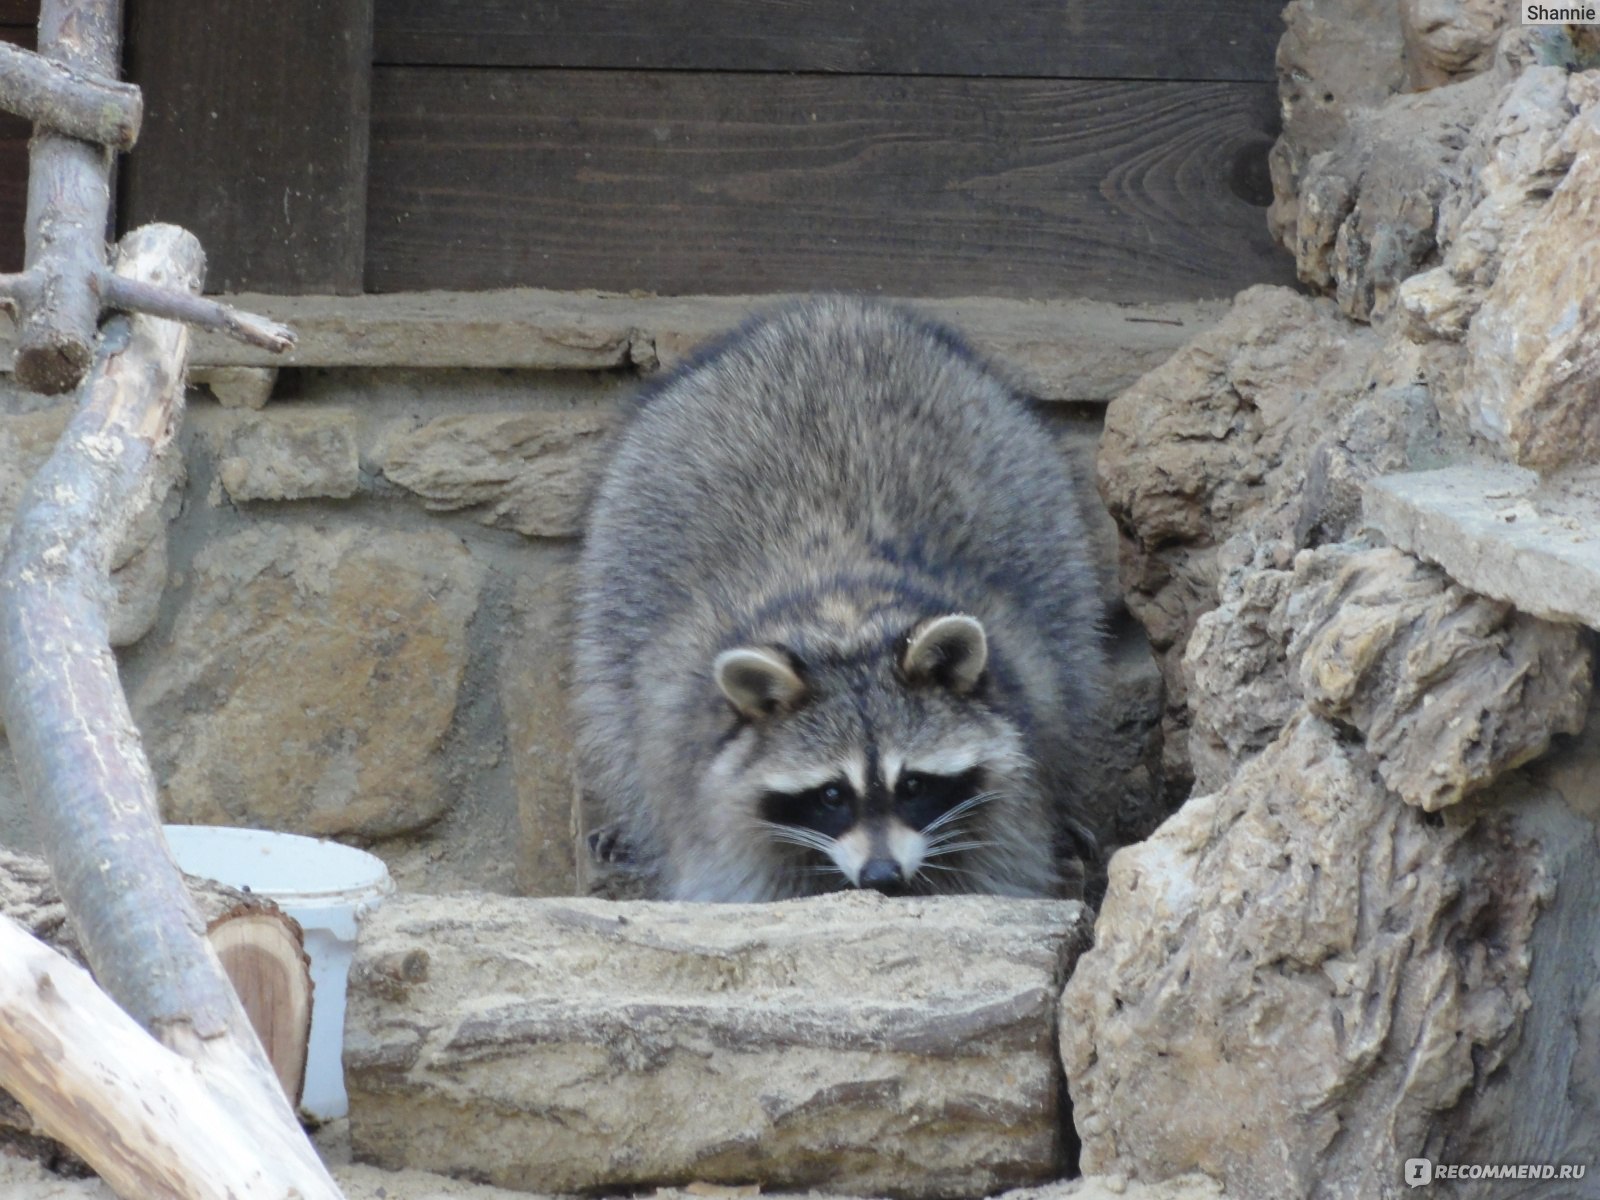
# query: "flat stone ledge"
[[1067, 350], [1501, 531]]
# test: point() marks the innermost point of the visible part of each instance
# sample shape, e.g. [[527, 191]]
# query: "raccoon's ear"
[[951, 651], [757, 680]]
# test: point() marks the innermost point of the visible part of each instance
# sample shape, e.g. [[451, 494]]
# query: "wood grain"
[[14, 133], [683, 183], [255, 136], [1143, 39]]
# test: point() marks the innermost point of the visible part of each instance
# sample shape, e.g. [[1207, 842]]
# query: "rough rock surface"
[[1368, 207], [852, 1042], [1534, 346], [1294, 977], [524, 471], [287, 454], [1240, 692], [237, 387], [1336, 58], [1449, 690], [21, 1180], [312, 679], [1448, 39], [1223, 435]]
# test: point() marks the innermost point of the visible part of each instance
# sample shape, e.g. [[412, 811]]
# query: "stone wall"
[[348, 614], [1357, 523]]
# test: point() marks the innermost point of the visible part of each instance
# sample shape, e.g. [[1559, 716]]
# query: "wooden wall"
[[17, 21], [927, 147], [923, 147]]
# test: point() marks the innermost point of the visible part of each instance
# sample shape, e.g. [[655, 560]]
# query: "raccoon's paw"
[[608, 845]]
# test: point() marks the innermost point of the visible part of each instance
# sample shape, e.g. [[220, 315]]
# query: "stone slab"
[[1501, 531], [1072, 350], [850, 1042]]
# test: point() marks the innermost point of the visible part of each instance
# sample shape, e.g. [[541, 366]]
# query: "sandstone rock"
[[1219, 437], [535, 681], [852, 1042], [310, 680], [1293, 980], [20, 1180], [523, 471], [1515, 157], [237, 387], [1369, 205], [290, 454], [1449, 690], [1502, 532], [1446, 39], [1240, 692], [1120, 1187], [1534, 346], [1336, 58]]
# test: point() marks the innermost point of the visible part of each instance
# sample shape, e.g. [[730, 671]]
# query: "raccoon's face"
[[876, 772]]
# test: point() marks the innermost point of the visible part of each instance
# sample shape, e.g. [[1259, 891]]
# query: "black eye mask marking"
[[829, 810], [921, 799]]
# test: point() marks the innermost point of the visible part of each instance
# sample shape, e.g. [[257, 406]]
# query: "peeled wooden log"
[[260, 946], [851, 1042], [144, 1116]]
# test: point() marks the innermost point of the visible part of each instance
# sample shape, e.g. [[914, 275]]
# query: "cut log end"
[[260, 950], [54, 368]]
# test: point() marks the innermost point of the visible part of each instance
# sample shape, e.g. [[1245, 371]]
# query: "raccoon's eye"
[[831, 796], [911, 785]]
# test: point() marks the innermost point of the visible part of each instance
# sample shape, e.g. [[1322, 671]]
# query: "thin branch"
[[57, 97], [132, 295]]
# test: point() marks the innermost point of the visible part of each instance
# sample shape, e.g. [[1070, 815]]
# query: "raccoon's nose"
[[881, 873]]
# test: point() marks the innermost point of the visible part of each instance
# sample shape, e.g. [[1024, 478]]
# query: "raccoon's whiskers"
[[956, 813], [940, 849], [794, 835]]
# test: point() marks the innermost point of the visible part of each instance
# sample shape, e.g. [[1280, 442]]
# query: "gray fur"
[[824, 484]]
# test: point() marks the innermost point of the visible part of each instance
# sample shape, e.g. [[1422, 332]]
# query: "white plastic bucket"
[[328, 888]]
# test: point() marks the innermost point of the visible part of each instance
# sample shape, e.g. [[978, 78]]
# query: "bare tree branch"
[[130, 295], [69, 201], [69, 101], [77, 751]]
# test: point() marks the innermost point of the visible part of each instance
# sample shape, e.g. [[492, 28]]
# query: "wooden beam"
[[1047, 39], [682, 183]]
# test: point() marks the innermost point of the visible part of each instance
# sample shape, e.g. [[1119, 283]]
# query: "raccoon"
[[837, 626]]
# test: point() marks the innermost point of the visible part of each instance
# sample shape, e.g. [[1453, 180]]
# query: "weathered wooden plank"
[[1054, 39], [14, 133], [684, 183], [255, 136]]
